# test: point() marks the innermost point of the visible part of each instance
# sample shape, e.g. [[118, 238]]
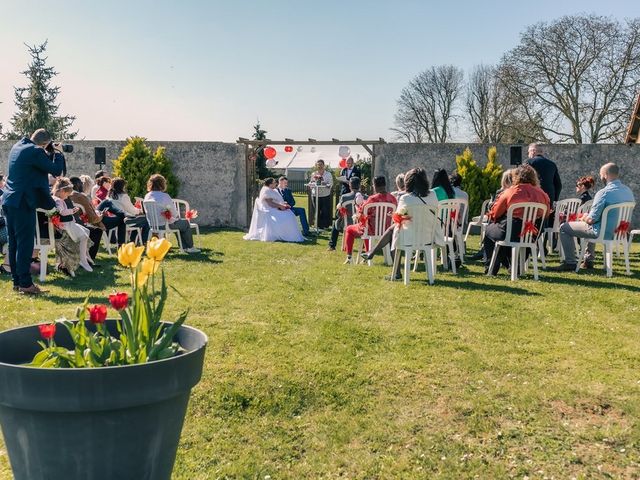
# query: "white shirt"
[[327, 180], [123, 202]]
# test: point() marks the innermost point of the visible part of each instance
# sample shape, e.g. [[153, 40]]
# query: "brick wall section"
[[573, 161], [212, 174]]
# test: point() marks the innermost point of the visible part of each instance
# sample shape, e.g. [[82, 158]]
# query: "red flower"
[[119, 301], [167, 214], [56, 222], [98, 313], [48, 330]]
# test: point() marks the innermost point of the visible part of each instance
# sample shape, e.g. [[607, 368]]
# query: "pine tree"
[[480, 183], [261, 162], [137, 163], [36, 103]]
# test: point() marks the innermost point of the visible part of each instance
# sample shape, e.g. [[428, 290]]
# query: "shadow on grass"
[[591, 282], [205, 254], [99, 279], [480, 287]]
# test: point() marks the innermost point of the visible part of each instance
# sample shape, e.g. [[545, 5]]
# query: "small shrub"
[[479, 183], [137, 163]]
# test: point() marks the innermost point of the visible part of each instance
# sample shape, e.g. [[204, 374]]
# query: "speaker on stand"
[[100, 155], [515, 155]]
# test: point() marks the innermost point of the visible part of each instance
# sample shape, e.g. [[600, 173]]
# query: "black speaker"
[[101, 155], [515, 154]]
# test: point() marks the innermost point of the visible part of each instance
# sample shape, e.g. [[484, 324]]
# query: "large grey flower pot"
[[93, 424]]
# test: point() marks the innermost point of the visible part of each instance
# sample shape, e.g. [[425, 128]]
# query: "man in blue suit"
[[287, 195], [27, 188]]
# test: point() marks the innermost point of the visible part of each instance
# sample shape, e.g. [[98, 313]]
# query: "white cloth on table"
[[270, 224]]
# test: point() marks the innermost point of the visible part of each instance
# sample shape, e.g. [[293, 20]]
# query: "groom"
[[287, 195]]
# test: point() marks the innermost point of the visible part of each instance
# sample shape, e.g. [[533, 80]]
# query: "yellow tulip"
[[141, 278], [129, 255], [149, 266], [157, 249]]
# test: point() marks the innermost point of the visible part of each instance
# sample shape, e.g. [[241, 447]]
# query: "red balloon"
[[269, 152], [343, 163], [288, 149]]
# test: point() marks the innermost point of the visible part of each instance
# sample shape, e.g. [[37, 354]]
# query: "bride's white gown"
[[269, 224]]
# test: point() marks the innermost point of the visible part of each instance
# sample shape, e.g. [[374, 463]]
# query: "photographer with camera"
[[27, 188]]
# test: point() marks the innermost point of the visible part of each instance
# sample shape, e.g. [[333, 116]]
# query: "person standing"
[[287, 196], [349, 171], [322, 178], [547, 172], [31, 161]]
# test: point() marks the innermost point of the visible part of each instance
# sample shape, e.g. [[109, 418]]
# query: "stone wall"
[[212, 175], [573, 161]]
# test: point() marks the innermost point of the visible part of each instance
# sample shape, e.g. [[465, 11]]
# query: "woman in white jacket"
[[120, 199]]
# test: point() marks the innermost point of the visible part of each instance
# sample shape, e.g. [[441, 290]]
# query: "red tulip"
[[119, 301], [48, 330], [98, 313]]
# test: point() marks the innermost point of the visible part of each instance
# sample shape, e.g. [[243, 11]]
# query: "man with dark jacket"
[[287, 195], [27, 188], [547, 172], [348, 172]]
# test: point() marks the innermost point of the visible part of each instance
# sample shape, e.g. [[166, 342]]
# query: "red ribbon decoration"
[[191, 214], [573, 217], [623, 227], [528, 227], [56, 222], [399, 219], [453, 214], [342, 211], [167, 214], [138, 205]]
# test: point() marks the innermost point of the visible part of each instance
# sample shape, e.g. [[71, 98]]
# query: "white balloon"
[[271, 163], [344, 151], [313, 149], [299, 149]]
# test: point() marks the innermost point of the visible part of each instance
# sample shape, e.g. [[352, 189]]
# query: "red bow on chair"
[[399, 219], [623, 227], [191, 214], [572, 217], [167, 214], [453, 214], [342, 212], [138, 205], [528, 227], [56, 222]]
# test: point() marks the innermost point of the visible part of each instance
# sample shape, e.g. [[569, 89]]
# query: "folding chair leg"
[[625, 248], [452, 259], [534, 260], [609, 260], [466, 236], [44, 257], [417, 259], [494, 257], [514, 263], [428, 264], [540, 249], [583, 250]]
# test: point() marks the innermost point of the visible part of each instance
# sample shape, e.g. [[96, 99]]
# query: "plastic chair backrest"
[[449, 213], [564, 209], [622, 222], [531, 212], [153, 213], [584, 208], [381, 212], [421, 229], [38, 238], [484, 209], [182, 206], [350, 206]]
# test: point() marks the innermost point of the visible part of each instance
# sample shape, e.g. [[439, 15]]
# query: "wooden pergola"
[[254, 146]]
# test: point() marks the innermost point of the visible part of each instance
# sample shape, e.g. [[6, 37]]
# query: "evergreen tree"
[[261, 168], [137, 163], [36, 103], [480, 183]]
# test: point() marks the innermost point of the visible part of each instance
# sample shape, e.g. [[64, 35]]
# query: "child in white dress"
[[79, 234]]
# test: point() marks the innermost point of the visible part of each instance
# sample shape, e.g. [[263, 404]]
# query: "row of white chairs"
[[158, 226]]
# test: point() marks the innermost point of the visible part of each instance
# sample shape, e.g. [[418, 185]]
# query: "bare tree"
[[487, 104], [426, 106], [574, 78]]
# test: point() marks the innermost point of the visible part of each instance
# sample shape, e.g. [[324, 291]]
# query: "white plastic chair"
[[44, 245], [564, 210], [480, 221], [418, 235], [381, 212], [349, 205], [449, 214], [531, 213], [158, 224], [183, 206], [622, 212]]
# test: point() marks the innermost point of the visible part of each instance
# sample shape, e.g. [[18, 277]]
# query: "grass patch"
[[320, 370]]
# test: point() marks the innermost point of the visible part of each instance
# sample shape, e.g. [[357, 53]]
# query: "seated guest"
[[156, 187], [455, 179], [272, 219], [583, 185], [99, 174], [441, 186], [88, 216], [87, 184], [418, 202], [356, 231], [104, 184], [134, 216], [341, 221], [526, 188], [613, 193], [400, 186], [287, 196]]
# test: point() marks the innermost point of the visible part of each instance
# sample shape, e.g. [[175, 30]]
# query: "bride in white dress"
[[272, 218]]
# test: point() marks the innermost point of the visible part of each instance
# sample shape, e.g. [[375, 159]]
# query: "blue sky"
[[205, 70]]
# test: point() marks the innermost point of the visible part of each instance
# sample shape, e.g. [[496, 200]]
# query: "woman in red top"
[[526, 188], [104, 184]]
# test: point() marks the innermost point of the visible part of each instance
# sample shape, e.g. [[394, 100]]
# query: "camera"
[[66, 148]]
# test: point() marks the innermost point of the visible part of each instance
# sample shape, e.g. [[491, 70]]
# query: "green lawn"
[[320, 370]]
